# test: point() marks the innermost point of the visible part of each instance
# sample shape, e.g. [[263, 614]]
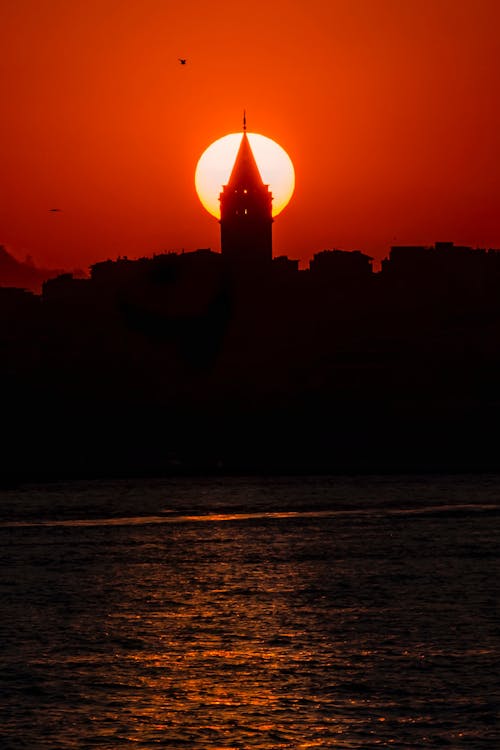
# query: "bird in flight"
[[54, 210], [182, 60]]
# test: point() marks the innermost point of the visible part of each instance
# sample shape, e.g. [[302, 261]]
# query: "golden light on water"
[[215, 165]]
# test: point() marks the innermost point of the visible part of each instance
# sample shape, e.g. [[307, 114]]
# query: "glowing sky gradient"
[[389, 110]]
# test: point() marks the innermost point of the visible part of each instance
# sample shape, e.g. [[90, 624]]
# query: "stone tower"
[[246, 212]]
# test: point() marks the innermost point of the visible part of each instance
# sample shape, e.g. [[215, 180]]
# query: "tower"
[[246, 212]]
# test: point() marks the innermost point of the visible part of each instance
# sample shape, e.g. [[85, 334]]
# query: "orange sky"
[[389, 109]]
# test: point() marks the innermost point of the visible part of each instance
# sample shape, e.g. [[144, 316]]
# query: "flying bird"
[[182, 60]]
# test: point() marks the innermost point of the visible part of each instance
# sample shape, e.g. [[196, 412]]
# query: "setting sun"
[[215, 165]]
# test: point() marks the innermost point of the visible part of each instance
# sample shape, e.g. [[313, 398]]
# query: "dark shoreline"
[[13, 480]]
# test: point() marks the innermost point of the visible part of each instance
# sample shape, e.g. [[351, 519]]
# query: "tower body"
[[246, 213]]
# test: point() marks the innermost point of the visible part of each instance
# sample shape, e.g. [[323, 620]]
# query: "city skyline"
[[389, 115]]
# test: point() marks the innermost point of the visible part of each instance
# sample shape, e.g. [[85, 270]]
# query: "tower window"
[[246, 211]]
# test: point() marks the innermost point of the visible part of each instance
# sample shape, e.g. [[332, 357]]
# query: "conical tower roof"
[[245, 174]]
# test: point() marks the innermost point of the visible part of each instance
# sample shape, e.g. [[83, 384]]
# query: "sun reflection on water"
[[265, 630]]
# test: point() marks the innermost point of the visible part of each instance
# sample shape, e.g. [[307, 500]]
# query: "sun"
[[215, 165]]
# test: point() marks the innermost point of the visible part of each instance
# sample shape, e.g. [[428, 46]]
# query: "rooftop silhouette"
[[174, 362]]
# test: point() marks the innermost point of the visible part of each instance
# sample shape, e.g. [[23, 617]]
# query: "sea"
[[214, 613]]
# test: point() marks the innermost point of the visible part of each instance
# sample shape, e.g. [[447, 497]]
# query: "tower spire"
[[244, 120], [245, 174]]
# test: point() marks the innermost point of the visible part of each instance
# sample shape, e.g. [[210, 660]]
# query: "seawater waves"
[[309, 612]]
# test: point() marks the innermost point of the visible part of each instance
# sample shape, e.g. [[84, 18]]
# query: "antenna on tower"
[[244, 120]]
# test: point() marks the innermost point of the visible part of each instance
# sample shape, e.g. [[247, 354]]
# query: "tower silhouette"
[[246, 212]]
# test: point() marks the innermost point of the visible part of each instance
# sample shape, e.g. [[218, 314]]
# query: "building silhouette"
[[341, 265], [333, 368], [246, 213]]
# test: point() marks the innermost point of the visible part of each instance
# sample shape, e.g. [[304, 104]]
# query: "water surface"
[[250, 613]]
